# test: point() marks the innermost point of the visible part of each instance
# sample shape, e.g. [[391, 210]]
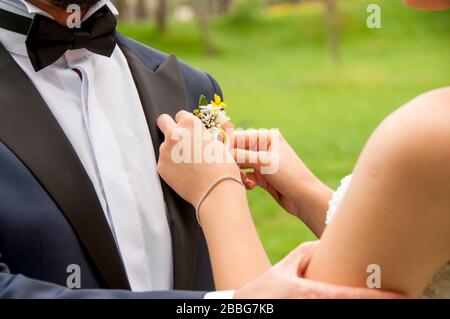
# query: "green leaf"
[[203, 101]]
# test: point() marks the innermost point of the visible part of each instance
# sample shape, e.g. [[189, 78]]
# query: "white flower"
[[222, 117], [212, 115]]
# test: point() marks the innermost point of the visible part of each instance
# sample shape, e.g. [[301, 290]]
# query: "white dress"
[[439, 287]]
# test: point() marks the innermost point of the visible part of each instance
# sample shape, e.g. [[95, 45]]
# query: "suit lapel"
[[163, 91], [29, 129]]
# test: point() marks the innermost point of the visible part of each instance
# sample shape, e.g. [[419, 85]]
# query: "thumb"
[[297, 260], [166, 124], [308, 252]]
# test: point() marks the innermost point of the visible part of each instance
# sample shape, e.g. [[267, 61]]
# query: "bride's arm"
[[396, 213], [237, 255]]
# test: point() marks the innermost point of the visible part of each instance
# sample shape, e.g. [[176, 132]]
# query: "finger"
[[252, 177], [255, 140], [165, 124], [228, 126], [182, 115], [294, 258], [308, 249], [260, 181], [245, 140], [244, 179], [248, 180], [250, 159]]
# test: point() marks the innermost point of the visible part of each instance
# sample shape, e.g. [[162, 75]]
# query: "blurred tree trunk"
[[202, 13], [332, 29], [143, 9], [221, 6], [161, 15], [126, 9]]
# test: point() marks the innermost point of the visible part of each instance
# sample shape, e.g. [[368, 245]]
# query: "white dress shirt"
[[95, 101]]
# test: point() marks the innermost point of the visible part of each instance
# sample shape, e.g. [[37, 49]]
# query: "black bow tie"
[[47, 40]]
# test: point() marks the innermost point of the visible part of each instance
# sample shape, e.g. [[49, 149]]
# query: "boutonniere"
[[212, 115]]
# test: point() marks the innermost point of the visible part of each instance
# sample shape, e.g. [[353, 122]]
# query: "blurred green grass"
[[275, 72]]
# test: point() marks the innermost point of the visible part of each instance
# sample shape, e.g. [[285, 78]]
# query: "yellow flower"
[[218, 104]]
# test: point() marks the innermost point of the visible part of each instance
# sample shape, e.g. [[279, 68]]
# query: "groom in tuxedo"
[[81, 203]]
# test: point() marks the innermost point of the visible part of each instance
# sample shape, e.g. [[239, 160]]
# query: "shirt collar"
[[32, 9], [15, 42]]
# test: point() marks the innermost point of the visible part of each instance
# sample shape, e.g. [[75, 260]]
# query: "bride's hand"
[[190, 159], [278, 169], [237, 255]]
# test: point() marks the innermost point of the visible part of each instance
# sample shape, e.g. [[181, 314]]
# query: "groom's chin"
[[63, 4]]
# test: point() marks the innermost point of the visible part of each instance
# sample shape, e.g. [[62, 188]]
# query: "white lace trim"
[[336, 199]]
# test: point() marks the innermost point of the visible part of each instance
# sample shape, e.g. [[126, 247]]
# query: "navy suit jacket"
[[50, 216]]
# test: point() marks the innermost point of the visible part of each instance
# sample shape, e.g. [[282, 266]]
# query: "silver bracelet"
[[210, 188]]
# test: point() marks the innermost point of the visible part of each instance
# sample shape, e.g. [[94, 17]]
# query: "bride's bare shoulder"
[[428, 119], [433, 102], [418, 131], [412, 146], [428, 113]]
